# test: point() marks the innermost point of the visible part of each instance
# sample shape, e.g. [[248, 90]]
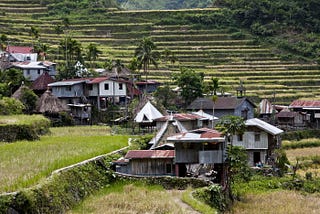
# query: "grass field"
[[280, 202], [131, 198], [26, 163]]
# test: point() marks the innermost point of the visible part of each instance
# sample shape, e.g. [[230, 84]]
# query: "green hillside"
[[207, 40]]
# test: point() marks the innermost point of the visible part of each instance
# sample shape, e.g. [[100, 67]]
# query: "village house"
[[291, 120], [147, 163], [33, 70], [200, 153], [237, 106], [20, 54], [146, 116], [309, 108], [260, 139]]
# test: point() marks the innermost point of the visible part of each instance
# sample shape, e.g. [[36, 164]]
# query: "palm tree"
[[93, 53], [146, 55]]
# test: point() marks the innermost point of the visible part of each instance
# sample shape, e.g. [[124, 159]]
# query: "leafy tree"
[[93, 53], [11, 80], [3, 40], [28, 99], [34, 32], [133, 64], [165, 96], [146, 55], [190, 83], [10, 106]]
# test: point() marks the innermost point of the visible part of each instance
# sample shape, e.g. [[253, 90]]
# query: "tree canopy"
[[190, 83]]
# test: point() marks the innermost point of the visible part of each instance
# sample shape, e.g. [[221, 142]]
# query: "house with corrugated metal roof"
[[147, 163], [308, 107], [237, 106], [200, 153], [260, 140]]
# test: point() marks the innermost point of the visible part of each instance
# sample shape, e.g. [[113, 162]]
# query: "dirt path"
[[177, 195]]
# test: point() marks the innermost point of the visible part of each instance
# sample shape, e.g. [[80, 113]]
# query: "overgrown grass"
[[196, 204], [125, 197], [280, 202], [20, 119], [24, 163], [304, 143]]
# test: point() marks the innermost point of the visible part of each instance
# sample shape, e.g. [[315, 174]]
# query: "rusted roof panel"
[[181, 117], [305, 103], [150, 154]]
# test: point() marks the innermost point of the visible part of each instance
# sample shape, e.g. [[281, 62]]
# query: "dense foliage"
[[293, 24], [163, 4]]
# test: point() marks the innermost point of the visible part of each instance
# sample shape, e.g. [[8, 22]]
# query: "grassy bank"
[[23, 164], [128, 197]]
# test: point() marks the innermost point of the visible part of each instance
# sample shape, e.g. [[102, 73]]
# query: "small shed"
[[150, 162]]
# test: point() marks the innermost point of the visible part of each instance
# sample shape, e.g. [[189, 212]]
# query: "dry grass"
[[280, 202], [132, 199], [293, 154], [305, 155]]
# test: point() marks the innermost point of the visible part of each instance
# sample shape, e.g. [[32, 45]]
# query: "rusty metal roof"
[[220, 103], [180, 117], [305, 104], [150, 154]]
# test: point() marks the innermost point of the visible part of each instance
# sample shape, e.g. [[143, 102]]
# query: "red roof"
[[150, 154], [305, 104], [19, 49], [97, 80], [180, 117]]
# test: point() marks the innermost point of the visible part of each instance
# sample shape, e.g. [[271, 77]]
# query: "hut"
[[49, 104], [40, 85]]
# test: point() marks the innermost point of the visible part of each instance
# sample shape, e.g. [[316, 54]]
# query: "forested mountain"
[[163, 4]]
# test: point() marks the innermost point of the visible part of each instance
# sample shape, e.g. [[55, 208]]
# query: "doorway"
[[256, 157]]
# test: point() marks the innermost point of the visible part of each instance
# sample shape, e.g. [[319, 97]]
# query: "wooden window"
[[68, 88], [90, 87], [106, 86], [240, 137], [120, 86], [257, 136]]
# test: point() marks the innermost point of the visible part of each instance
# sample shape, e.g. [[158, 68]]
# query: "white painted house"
[[260, 139]]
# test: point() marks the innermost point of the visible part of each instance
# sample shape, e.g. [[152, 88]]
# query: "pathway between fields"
[[177, 195]]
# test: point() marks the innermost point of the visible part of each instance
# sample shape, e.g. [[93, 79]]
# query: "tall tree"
[[146, 55], [92, 53], [190, 83]]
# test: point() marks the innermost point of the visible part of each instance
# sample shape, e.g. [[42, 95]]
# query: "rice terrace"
[[127, 106]]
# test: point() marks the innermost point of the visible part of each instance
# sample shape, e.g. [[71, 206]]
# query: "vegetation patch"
[[23, 127], [24, 164]]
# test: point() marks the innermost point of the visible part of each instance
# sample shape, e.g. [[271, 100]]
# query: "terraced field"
[[216, 52]]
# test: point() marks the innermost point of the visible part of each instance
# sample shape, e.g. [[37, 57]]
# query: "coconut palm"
[[146, 55]]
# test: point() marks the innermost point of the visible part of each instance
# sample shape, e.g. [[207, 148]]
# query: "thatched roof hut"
[[48, 103], [18, 93]]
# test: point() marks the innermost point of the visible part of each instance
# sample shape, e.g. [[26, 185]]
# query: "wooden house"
[[148, 163], [266, 111], [311, 108], [40, 85], [148, 86], [69, 91], [237, 106], [260, 139], [289, 120], [199, 152]]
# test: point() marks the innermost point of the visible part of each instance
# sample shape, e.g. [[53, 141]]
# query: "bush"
[[9, 106], [213, 196]]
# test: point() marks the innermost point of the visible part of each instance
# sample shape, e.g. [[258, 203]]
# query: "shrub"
[[213, 196], [10, 106]]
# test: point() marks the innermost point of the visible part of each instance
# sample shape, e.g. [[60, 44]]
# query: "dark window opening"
[[168, 168], [106, 86], [256, 157]]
